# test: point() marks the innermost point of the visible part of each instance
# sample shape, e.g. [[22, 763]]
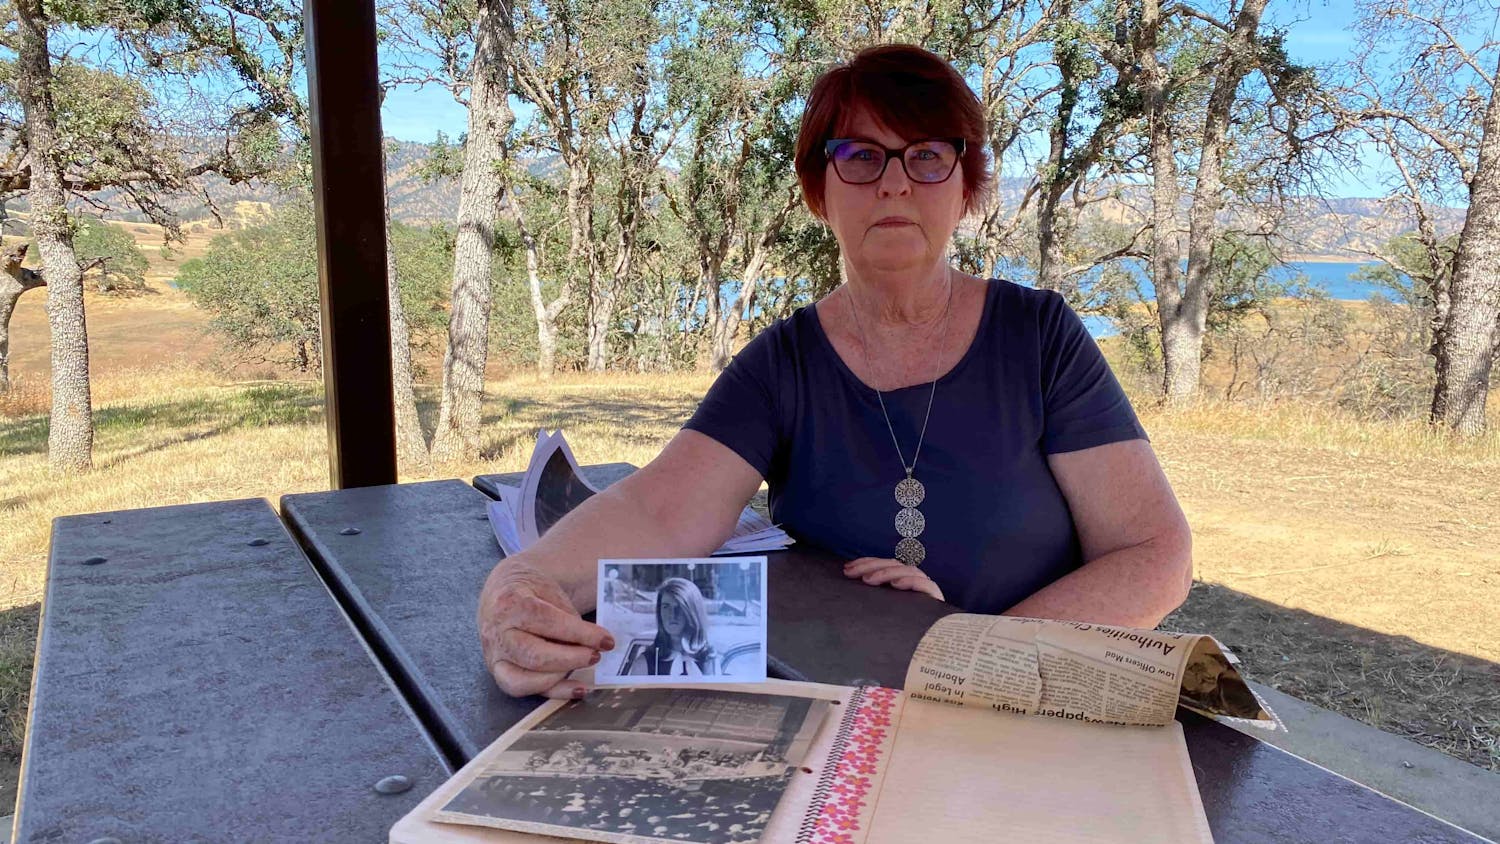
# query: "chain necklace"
[[909, 491]]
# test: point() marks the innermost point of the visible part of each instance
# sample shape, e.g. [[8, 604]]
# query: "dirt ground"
[[1357, 582]]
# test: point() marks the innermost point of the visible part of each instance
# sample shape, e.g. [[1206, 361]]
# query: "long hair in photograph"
[[694, 640]]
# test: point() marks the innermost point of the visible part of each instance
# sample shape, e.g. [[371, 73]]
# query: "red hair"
[[909, 91]]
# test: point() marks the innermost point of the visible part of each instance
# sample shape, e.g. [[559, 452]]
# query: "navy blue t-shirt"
[[998, 529]]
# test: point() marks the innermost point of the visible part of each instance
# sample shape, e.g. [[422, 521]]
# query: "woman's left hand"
[[879, 570]]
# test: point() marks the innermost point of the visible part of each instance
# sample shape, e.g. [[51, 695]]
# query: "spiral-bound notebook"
[[866, 765]]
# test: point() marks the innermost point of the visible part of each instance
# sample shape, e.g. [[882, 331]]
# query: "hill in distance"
[[1339, 229]]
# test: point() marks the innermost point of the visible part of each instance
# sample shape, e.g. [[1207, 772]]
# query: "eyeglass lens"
[[859, 162]]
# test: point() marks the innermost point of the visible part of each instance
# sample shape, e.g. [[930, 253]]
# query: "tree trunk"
[[583, 257], [723, 350], [635, 170], [15, 281], [70, 439], [1049, 271], [490, 121], [1467, 346], [664, 340], [710, 279], [1183, 362], [723, 346], [1059, 170], [602, 303], [1180, 318], [411, 445], [546, 313]]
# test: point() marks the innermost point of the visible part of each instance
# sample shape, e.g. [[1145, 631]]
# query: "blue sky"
[[1318, 32]]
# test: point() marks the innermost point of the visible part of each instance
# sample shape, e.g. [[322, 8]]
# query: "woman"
[[959, 437], [681, 647]]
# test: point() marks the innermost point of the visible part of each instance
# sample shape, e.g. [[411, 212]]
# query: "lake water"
[[1332, 277]]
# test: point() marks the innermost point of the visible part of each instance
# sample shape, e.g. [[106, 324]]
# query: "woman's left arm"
[[1137, 549]]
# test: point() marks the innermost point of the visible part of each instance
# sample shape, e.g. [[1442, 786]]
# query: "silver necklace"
[[909, 491]]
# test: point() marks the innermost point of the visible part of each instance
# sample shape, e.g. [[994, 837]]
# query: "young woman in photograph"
[[681, 647]]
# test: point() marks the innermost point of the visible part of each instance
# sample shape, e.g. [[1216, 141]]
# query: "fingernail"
[[579, 692], [594, 659], [608, 644]]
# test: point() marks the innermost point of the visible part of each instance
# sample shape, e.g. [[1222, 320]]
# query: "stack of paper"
[[553, 485]]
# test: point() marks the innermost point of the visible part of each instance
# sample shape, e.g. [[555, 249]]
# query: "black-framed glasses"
[[859, 161]]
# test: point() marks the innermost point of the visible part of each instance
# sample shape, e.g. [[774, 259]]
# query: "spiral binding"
[[830, 773]]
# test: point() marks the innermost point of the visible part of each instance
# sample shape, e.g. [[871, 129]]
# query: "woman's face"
[[673, 617], [893, 223]]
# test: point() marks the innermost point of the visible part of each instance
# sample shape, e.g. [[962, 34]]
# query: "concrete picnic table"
[[213, 672]]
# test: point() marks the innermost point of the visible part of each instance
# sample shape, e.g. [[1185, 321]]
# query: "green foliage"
[[1398, 375], [1409, 272], [261, 285], [808, 257], [445, 159], [103, 125], [150, 96], [1240, 282], [1119, 294], [424, 264], [114, 260]]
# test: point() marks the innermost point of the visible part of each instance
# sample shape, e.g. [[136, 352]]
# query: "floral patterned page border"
[[843, 801]]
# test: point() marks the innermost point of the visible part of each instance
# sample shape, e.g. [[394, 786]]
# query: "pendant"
[[909, 521], [910, 492]]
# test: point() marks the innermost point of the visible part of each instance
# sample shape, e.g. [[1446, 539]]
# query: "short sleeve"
[[741, 408], [1083, 403]]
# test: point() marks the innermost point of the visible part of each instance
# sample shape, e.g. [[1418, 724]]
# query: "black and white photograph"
[[682, 765], [683, 621]]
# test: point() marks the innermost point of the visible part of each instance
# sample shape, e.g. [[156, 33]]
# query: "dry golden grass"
[[163, 437], [173, 436], [1322, 426], [610, 418]]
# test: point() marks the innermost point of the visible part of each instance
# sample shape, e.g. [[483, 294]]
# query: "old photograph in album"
[[645, 765], [1049, 731]]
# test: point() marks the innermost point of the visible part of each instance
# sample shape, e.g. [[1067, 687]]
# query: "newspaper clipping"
[[1075, 671]]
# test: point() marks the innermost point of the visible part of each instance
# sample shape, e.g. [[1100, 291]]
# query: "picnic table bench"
[[210, 680], [194, 680]]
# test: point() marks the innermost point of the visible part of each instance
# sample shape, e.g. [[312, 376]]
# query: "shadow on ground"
[[1438, 698], [18, 628], [259, 406], [635, 413]]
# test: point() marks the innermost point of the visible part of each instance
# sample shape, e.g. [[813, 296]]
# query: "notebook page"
[[966, 774]]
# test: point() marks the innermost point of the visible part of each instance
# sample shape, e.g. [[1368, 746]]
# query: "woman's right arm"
[[685, 503]]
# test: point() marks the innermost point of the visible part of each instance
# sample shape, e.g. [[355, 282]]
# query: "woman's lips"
[[893, 222]]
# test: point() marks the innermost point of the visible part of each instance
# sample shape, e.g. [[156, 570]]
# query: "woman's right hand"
[[532, 635], [880, 570]]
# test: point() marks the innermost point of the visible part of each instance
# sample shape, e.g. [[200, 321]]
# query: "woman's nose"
[[894, 181]]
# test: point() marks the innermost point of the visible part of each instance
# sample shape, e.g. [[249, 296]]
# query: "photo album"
[[1046, 730]]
